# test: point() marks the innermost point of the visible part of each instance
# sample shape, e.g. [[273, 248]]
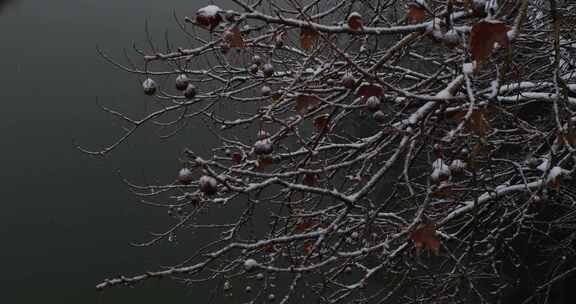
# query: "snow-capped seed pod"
[[440, 172], [355, 21], [271, 297], [225, 47], [265, 91], [185, 176], [248, 289], [209, 16], [181, 82], [373, 103], [268, 70], [190, 91], [348, 81], [260, 277], [149, 86], [451, 38], [249, 264], [257, 60], [534, 162], [457, 166], [263, 147], [379, 116], [253, 69], [208, 185], [262, 134]]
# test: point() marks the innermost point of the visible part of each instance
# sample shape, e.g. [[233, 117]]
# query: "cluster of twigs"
[[370, 151]]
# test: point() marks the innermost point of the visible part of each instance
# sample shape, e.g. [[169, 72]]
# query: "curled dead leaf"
[[425, 236], [483, 37]]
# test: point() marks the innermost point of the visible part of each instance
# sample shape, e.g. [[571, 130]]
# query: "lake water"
[[66, 219]]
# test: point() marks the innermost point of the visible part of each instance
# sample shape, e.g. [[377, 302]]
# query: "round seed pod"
[[268, 70], [190, 91], [265, 91], [257, 60], [208, 185], [379, 116], [373, 103], [263, 147], [149, 86], [185, 176], [348, 81], [181, 82], [253, 69]]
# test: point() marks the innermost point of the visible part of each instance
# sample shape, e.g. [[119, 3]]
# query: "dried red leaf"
[[369, 90], [306, 225], [484, 35], [416, 13], [308, 246], [237, 157], [425, 237], [308, 37], [305, 102]]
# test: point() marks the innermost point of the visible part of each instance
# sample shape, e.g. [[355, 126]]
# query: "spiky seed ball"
[[373, 103], [348, 81], [181, 82], [208, 185], [268, 70], [263, 147], [265, 91], [379, 116], [190, 91], [185, 176], [253, 69], [149, 86]]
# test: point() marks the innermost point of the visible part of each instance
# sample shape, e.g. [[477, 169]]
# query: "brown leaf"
[[308, 37], [416, 13], [483, 36], [478, 124], [305, 102], [237, 157], [263, 162], [321, 122], [369, 90], [310, 179], [443, 191], [425, 237], [234, 37]]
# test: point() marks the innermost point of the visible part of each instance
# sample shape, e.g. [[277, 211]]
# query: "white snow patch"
[[468, 68], [250, 263], [209, 11]]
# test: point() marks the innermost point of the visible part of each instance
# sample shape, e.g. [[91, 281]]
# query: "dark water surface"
[[66, 219]]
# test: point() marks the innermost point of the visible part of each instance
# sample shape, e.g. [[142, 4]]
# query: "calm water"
[[66, 219]]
